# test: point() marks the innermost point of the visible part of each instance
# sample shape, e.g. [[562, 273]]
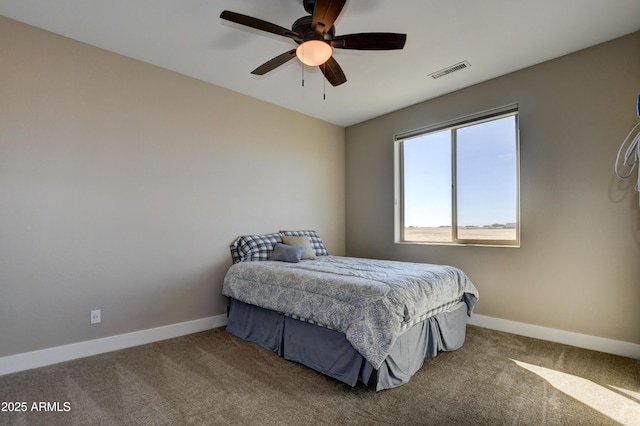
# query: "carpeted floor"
[[215, 378]]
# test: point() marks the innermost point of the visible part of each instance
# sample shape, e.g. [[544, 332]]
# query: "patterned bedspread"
[[371, 301]]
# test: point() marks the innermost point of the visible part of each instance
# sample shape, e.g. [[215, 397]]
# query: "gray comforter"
[[371, 301]]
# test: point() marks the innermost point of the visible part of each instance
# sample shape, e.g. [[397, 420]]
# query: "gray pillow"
[[316, 242], [301, 241], [285, 253]]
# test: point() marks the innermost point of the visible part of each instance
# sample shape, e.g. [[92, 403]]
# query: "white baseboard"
[[600, 344], [26, 361]]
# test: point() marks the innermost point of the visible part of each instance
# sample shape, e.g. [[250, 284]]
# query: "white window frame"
[[452, 125]]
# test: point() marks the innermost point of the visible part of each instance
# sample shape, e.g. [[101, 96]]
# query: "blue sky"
[[486, 177]]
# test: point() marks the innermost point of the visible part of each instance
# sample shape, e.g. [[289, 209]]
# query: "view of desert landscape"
[[442, 234]]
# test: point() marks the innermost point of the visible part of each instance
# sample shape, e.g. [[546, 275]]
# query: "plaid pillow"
[[254, 247], [316, 242]]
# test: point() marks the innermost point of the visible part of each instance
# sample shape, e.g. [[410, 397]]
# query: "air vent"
[[449, 70]]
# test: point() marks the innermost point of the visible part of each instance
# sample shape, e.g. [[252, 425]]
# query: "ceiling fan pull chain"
[[302, 75], [324, 83]]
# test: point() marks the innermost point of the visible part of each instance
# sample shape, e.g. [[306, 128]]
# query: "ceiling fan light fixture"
[[314, 52]]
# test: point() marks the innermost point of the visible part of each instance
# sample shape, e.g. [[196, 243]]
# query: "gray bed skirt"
[[329, 352]]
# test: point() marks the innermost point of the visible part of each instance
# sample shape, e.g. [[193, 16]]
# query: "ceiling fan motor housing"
[[304, 28]]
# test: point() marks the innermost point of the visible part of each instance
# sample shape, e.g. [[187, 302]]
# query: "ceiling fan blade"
[[370, 41], [325, 13], [275, 62], [259, 24], [333, 72]]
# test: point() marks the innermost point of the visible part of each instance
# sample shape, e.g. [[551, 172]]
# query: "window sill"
[[454, 244]]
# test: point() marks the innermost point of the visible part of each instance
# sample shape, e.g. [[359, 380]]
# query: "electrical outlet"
[[95, 316]]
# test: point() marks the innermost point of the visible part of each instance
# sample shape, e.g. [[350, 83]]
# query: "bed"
[[353, 319]]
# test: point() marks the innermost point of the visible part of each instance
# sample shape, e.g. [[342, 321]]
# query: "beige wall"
[[122, 185], [579, 265]]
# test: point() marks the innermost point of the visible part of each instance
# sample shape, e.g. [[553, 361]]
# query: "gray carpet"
[[215, 378]]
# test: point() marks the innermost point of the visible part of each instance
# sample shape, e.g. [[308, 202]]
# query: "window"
[[458, 182]]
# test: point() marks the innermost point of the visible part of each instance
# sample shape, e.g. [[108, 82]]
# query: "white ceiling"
[[187, 36]]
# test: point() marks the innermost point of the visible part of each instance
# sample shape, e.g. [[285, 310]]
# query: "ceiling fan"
[[315, 36]]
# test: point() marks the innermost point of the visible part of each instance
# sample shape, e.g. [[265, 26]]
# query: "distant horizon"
[[463, 226]]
